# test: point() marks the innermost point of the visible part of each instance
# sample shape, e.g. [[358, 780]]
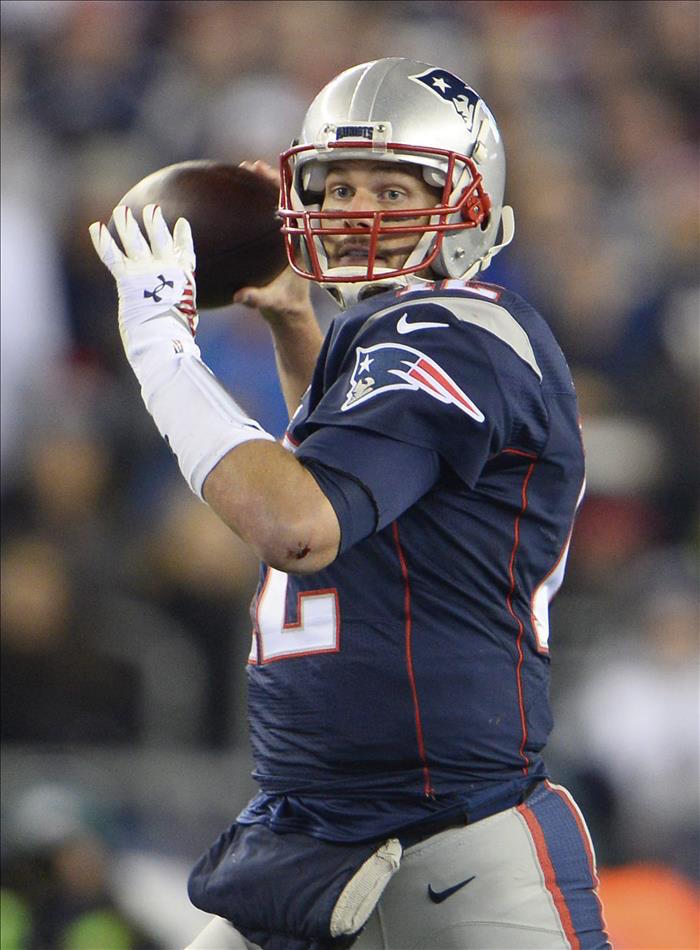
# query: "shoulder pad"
[[432, 310]]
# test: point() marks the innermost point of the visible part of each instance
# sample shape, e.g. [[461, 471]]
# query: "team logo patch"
[[450, 88], [386, 366]]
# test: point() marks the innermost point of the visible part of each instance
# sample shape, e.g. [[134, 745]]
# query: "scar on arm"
[[301, 552]]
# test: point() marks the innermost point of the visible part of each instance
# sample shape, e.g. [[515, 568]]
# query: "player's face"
[[374, 186]]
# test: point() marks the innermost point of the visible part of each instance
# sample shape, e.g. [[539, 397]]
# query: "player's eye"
[[339, 191], [392, 194]]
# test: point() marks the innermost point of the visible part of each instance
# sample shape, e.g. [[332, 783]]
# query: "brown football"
[[232, 213]]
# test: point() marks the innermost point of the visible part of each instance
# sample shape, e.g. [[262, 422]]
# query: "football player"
[[412, 532]]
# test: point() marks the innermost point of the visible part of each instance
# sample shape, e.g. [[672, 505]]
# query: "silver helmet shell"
[[400, 110]]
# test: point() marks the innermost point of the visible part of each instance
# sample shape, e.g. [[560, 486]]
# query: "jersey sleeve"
[[427, 379], [369, 479]]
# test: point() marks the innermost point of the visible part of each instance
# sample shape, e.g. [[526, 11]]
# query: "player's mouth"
[[350, 254], [355, 253]]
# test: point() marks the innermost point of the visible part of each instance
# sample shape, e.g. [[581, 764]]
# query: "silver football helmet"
[[398, 110]]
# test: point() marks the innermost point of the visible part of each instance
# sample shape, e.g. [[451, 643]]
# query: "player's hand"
[[154, 277], [264, 169], [285, 299]]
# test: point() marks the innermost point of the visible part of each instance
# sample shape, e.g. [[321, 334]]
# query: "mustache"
[[355, 246]]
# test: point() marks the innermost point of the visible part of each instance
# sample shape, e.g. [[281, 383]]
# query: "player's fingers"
[[133, 242], [184, 244], [248, 296], [286, 292], [107, 250], [262, 168], [159, 236]]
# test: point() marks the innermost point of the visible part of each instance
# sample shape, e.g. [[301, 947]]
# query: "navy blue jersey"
[[411, 675]]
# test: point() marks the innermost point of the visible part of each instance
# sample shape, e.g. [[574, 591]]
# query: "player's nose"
[[361, 201]]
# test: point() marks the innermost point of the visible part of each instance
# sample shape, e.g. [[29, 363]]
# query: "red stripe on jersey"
[[509, 605], [446, 383], [427, 783], [415, 373], [522, 452], [550, 878]]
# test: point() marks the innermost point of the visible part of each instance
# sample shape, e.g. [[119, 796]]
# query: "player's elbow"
[[275, 505], [300, 546], [299, 533]]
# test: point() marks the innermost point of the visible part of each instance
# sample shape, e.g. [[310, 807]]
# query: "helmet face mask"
[[467, 207], [398, 111]]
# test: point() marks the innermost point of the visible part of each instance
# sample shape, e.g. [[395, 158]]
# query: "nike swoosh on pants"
[[437, 897]]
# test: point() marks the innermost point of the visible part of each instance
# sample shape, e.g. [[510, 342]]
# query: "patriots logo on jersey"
[[450, 88], [386, 366]]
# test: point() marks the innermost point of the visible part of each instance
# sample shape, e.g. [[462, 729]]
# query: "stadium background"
[[124, 602]]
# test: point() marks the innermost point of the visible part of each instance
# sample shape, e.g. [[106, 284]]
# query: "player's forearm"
[[297, 344], [272, 502], [256, 487], [261, 491], [285, 305]]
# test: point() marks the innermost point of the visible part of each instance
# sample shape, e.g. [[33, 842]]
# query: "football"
[[232, 213]]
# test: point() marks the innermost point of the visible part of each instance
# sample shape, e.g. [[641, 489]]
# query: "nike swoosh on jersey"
[[437, 897], [403, 326]]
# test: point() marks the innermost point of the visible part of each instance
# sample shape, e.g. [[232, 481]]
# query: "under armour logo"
[[156, 290]]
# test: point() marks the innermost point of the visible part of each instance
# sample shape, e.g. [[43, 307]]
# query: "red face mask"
[[304, 230]]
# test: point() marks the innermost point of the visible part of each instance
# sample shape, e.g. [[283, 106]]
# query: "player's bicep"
[[369, 478]]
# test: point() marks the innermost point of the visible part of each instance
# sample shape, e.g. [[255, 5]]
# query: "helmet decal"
[[452, 89], [354, 132]]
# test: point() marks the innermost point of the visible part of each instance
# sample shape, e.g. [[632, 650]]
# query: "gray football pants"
[[523, 879]]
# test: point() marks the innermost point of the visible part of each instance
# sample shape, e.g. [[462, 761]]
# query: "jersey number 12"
[[314, 629]]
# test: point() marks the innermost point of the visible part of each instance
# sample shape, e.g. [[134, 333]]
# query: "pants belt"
[[408, 839]]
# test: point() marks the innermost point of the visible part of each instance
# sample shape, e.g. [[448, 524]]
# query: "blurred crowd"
[[125, 602]]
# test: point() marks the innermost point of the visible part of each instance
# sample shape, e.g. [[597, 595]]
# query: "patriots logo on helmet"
[[451, 88], [386, 366]]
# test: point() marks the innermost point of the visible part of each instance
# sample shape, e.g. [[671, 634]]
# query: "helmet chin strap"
[[507, 234], [507, 226]]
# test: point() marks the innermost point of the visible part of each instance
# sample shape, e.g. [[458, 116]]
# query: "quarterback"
[[412, 530]]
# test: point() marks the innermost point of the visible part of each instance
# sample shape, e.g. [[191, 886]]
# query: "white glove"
[[157, 318], [152, 281]]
